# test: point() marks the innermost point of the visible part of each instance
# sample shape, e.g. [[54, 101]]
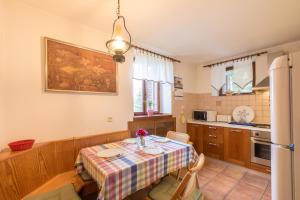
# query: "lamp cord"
[[118, 8]]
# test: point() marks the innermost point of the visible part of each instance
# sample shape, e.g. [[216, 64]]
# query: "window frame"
[[245, 93], [145, 100]]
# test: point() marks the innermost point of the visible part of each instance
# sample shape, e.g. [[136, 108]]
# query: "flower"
[[141, 132]]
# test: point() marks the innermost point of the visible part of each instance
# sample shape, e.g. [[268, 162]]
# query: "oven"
[[261, 148]]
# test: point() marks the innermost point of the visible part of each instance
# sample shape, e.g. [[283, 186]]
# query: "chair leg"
[[178, 174]]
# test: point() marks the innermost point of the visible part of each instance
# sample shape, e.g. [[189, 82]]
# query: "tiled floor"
[[220, 180]]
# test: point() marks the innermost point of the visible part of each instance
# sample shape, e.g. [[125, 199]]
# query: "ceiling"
[[196, 31]]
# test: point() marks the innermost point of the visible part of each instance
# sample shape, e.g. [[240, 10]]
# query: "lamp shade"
[[120, 41]]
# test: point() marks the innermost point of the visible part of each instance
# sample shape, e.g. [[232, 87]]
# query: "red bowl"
[[21, 145]]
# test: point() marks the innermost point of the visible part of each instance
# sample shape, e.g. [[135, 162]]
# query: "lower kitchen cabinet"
[[229, 144], [196, 132], [237, 146], [213, 142]]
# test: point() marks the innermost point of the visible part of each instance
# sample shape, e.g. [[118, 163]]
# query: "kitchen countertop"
[[223, 124]]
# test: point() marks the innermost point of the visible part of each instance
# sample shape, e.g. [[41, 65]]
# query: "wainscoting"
[[23, 172]]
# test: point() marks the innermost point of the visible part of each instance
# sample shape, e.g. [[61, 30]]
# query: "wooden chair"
[[171, 189], [181, 137]]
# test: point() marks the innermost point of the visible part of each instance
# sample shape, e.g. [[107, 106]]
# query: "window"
[[152, 83], [231, 85], [151, 95]]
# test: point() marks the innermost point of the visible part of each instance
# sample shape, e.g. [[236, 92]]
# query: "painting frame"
[[46, 70]]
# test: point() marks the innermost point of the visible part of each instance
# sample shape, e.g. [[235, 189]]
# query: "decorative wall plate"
[[243, 114]]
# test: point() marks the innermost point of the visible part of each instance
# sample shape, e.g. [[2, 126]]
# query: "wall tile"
[[225, 105]]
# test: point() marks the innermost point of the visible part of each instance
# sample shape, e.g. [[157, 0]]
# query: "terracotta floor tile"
[[219, 186], [255, 180], [207, 173], [267, 195], [215, 166], [244, 191], [202, 180], [234, 172], [260, 174]]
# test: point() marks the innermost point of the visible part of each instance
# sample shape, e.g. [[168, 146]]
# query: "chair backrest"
[[189, 181], [181, 137]]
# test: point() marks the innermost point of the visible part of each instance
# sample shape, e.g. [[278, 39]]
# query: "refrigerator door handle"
[[292, 147]]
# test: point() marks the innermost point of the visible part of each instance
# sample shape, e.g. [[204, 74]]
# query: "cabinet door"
[[237, 146], [196, 136], [213, 142]]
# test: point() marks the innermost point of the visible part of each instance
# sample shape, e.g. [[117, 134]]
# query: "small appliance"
[[224, 118], [210, 116]]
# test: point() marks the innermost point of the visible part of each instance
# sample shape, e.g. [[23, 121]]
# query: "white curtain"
[[242, 73], [150, 67], [218, 78]]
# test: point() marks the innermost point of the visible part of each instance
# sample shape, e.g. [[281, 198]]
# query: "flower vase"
[[142, 142], [150, 113]]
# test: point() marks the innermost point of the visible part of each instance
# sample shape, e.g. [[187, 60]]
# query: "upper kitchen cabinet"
[[237, 146]]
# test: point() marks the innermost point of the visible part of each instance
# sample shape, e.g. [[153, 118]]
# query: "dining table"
[[134, 169]]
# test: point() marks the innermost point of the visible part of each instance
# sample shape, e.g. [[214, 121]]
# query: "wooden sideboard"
[[157, 125], [24, 171]]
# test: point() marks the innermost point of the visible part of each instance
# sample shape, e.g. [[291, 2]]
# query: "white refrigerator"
[[285, 127]]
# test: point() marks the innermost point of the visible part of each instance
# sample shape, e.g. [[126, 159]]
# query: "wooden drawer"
[[213, 142]]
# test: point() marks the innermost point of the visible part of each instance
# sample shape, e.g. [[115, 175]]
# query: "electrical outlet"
[[109, 119]]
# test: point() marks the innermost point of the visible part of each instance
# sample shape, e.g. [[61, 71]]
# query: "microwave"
[[210, 116]]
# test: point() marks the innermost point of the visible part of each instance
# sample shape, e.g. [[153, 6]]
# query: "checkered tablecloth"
[[135, 170]]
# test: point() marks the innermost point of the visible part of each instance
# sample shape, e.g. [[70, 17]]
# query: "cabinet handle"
[[212, 136], [212, 144], [237, 131], [211, 127]]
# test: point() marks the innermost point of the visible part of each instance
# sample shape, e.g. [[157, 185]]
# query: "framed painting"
[[71, 68]]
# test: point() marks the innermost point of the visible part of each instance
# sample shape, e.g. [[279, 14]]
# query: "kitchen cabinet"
[[224, 143], [196, 132], [261, 168], [213, 142], [237, 146]]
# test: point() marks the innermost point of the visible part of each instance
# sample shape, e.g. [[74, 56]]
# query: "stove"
[[268, 126], [261, 146]]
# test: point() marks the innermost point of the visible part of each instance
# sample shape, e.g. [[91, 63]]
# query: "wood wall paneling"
[[9, 188], [23, 172], [156, 125]]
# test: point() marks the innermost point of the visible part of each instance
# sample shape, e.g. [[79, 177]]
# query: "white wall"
[[262, 65], [29, 112], [2, 56], [188, 73], [203, 79]]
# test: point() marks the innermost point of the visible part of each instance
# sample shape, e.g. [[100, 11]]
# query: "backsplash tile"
[[225, 105], [260, 103]]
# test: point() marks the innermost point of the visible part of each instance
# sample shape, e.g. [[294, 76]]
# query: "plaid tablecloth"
[[135, 170]]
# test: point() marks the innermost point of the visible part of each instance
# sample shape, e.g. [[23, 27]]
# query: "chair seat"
[[66, 192], [167, 187], [85, 176]]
